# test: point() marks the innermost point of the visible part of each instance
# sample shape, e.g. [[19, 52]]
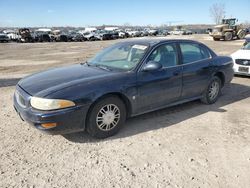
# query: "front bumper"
[[68, 120], [239, 71]]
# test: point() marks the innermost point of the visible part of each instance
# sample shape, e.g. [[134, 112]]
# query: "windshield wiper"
[[85, 63], [103, 67], [96, 65]]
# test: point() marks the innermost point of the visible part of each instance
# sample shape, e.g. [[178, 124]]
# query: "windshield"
[[229, 21], [246, 46], [121, 56]]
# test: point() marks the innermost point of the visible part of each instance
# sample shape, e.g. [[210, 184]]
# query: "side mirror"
[[152, 66]]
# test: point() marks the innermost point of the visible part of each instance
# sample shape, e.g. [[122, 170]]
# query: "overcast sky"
[[18, 13]]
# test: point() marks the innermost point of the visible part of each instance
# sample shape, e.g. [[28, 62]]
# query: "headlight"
[[50, 104]]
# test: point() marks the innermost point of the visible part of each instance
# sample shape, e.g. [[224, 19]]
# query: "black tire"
[[228, 36], [94, 114], [207, 99], [241, 35], [216, 39]]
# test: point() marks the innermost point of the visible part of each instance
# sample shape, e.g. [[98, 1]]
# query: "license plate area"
[[243, 69]]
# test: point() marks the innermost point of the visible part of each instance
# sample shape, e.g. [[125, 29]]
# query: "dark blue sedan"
[[124, 80]]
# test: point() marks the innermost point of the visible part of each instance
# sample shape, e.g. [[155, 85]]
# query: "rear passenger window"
[[193, 52]]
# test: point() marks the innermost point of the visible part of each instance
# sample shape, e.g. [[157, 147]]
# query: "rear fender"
[[223, 64]]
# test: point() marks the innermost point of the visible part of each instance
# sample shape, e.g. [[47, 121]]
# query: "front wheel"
[[106, 117], [213, 91], [228, 36], [241, 35]]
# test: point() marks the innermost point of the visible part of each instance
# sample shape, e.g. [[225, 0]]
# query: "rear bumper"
[[68, 120]]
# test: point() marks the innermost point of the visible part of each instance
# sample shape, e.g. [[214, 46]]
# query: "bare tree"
[[217, 12], [246, 24]]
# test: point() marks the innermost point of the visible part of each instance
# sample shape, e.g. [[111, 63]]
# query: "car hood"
[[241, 54], [47, 82]]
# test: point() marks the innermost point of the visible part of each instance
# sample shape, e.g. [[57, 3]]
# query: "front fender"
[[88, 92]]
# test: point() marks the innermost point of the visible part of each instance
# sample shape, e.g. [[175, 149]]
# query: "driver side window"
[[165, 54]]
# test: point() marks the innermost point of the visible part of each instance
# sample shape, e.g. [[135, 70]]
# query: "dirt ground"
[[190, 145]]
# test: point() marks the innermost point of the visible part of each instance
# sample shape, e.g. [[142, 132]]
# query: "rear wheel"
[[228, 36], [106, 117], [213, 91]]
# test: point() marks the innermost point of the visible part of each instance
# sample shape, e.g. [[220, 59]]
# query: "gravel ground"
[[190, 145]]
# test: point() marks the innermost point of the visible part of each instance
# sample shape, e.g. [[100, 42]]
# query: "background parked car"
[[123, 34], [76, 37], [91, 36], [178, 32], [134, 33], [188, 32], [103, 35], [12, 34], [163, 32], [25, 35], [58, 36], [115, 34], [39, 36], [144, 33], [241, 59], [153, 32], [4, 38]]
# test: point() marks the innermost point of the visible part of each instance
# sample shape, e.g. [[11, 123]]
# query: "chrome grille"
[[245, 62]]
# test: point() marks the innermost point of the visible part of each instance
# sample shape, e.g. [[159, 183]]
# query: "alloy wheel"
[[213, 90], [108, 117]]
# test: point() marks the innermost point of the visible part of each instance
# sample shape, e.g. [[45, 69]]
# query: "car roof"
[[154, 41]]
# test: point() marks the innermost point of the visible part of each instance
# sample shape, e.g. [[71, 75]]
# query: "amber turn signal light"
[[48, 125]]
